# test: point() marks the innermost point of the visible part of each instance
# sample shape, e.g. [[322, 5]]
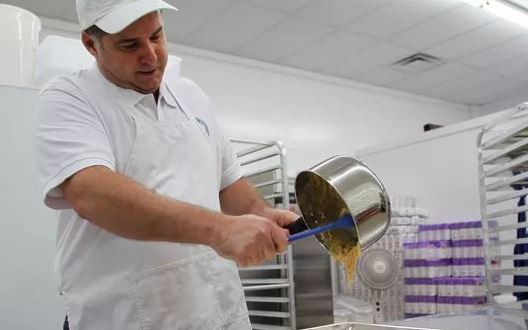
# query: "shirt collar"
[[167, 95], [130, 96]]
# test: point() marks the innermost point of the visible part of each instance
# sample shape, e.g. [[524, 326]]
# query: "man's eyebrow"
[[123, 41], [157, 31]]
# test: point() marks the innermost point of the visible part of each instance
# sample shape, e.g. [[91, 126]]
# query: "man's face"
[[136, 57]]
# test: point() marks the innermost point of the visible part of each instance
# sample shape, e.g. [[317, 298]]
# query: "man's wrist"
[[262, 209], [216, 231]]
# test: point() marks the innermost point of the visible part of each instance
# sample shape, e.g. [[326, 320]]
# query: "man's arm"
[[242, 198], [125, 208]]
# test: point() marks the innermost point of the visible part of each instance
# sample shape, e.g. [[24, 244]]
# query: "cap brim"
[[124, 15]]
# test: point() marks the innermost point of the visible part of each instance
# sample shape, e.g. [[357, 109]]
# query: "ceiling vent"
[[416, 63]]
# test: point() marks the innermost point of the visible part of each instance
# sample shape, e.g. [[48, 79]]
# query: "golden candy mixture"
[[345, 253], [349, 259], [321, 203]]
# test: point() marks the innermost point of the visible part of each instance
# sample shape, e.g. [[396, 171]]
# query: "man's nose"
[[148, 56]]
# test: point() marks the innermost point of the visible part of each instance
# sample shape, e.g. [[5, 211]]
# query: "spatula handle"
[[314, 231], [343, 222], [297, 226]]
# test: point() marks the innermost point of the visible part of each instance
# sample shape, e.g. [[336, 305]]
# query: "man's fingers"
[[252, 242], [280, 238]]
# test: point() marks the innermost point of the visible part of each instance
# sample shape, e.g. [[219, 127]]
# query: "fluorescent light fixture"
[[520, 3], [515, 11], [474, 3]]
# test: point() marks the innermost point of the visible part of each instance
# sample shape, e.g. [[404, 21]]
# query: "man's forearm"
[[241, 198], [125, 208]]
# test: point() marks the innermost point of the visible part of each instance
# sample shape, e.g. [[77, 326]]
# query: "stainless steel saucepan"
[[343, 194]]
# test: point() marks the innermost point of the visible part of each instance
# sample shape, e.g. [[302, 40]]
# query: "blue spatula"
[[343, 222]]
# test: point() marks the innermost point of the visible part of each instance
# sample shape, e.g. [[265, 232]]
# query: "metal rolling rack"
[[269, 287], [503, 175]]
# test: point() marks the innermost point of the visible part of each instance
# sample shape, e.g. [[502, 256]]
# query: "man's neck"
[[108, 76]]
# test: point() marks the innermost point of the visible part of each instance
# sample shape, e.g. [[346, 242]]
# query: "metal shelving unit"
[[503, 175], [269, 288]]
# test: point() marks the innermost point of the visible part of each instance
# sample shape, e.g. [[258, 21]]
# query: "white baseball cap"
[[113, 16]]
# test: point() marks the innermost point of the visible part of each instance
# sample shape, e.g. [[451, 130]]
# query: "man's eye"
[[130, 46], [156, 37]]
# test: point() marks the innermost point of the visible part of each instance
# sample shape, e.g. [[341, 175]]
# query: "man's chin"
[[145, 89], [149, 87]]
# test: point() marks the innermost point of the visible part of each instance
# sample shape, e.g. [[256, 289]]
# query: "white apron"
[[129, 284]]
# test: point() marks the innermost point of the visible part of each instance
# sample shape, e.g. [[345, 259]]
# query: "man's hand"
[[249, 240], [242, 198]]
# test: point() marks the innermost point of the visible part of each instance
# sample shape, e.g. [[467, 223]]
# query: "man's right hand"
[[249, 240]]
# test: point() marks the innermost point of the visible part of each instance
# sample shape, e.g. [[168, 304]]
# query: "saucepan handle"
[[297, 226]]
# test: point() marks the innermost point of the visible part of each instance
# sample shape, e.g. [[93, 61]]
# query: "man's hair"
[[95, 33]]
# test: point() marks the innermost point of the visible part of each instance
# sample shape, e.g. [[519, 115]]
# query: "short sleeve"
[[231, 170], [68, 137]]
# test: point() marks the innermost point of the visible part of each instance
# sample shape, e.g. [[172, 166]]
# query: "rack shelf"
[[269, 288], [503, 175]]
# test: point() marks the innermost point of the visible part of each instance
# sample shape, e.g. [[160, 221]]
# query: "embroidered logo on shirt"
[[204, 124]]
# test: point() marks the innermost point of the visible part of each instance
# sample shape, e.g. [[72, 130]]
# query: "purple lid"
[[425, 244], [420, 299], [466, 224], [464, 280], [468, 261], [418, 281], [474, 300], [473, 224], [440, 226], [444, 280], [426, 263], [461, 300], [467, 243], [445, 300], [423, 227], [471, 280]]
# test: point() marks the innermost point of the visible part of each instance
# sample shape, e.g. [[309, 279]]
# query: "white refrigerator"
[[28, 294]]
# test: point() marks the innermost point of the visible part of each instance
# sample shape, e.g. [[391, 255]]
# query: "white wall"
[[440, 172], [315, 116], [439, 168]]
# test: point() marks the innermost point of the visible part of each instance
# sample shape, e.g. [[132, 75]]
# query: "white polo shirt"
[[73, 133], [76, 127]]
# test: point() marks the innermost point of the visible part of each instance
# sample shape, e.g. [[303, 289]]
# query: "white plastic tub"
[[19, 36]]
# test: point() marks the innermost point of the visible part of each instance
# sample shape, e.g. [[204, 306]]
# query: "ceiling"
[[483, 58]]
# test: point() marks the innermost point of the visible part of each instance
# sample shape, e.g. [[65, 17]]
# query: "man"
[[140, 170]]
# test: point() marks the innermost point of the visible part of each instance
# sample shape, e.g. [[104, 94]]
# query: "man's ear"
[[88, 43]]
